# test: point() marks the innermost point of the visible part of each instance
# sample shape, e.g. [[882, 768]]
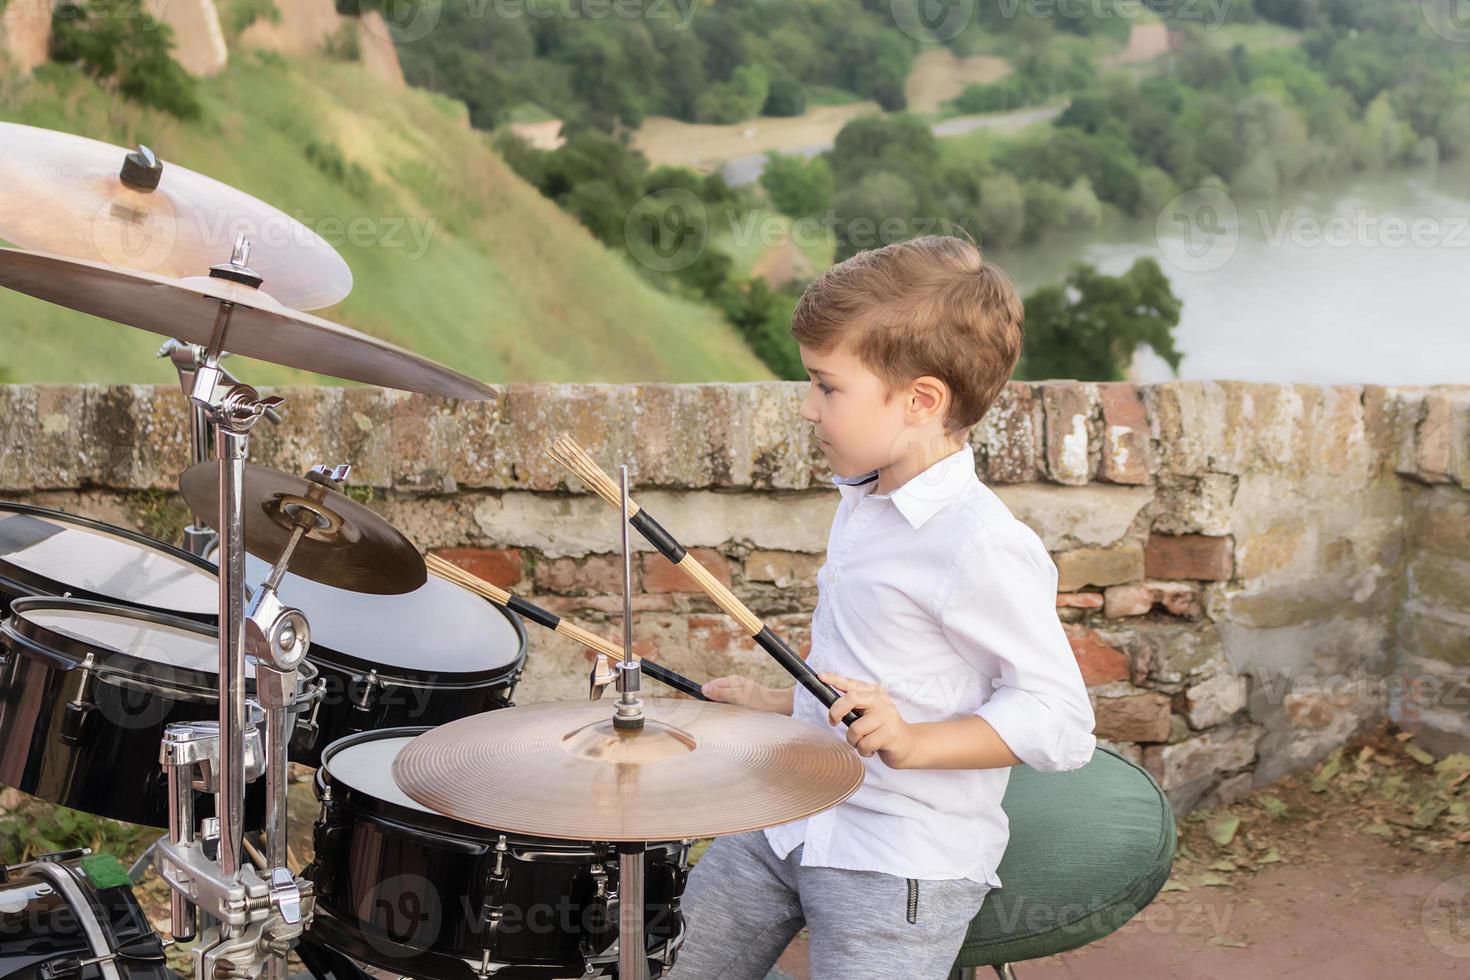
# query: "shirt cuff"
[[1034, 733]]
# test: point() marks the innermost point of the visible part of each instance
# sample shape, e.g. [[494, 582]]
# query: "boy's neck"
[[895, 475]]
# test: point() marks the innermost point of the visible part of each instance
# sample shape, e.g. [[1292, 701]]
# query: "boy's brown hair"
[[927, 306]]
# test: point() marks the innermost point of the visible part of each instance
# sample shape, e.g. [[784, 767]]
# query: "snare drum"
[[426, 657], [414, 892], [46, 552], [61, 910], [86, 692]]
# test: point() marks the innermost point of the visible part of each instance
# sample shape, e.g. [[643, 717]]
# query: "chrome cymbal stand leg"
[[257, 918], [632, 948]]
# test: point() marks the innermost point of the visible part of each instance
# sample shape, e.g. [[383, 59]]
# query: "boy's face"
[[858, 430]]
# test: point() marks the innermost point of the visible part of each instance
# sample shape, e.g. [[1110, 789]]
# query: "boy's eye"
[[824, 389]]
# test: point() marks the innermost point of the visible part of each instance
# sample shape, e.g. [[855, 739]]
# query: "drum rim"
[[430, 680], [25, 580], [20, 631], [362, 802]]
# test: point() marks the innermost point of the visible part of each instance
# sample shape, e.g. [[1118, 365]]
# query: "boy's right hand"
[[735, 689]]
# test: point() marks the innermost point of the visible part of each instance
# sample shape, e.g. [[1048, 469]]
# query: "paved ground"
[[1360, 869], [1366, 910]]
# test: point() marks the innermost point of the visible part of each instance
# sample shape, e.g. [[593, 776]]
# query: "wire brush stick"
[[565, 451], [448, 570]]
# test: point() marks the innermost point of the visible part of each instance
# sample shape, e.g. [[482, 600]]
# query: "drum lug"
[[304, 736], [78, 719], [363, 698], [492, 906]]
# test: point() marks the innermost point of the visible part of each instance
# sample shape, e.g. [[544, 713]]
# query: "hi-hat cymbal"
[[64, 194], [260, 327], [349, 546], [695, 769]]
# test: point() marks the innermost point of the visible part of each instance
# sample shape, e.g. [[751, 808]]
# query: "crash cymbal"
[[65, 195], [260, 327], [695, 769], [348, 546]]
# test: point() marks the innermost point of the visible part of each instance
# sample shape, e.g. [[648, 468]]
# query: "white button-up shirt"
[[940, 594]]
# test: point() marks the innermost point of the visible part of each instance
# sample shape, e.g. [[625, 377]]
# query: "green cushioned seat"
[[1089, 849]]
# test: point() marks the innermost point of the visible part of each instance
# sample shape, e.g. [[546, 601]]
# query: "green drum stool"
[[1089, 849]]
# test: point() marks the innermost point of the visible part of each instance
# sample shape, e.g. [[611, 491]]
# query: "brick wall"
[[1249, 573]]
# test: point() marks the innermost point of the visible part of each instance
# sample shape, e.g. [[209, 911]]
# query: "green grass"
[[751, 238], [508, 287]]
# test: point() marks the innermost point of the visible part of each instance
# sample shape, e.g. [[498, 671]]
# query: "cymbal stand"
[[199, 537], [632, 948], [255, 919]]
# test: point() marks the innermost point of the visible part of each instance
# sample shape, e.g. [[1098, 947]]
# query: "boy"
[[936, 615]]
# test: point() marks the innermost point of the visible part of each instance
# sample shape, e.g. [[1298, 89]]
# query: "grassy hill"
[[507, 288]]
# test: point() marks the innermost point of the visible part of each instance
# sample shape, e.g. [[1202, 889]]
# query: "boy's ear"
[[928, 396]]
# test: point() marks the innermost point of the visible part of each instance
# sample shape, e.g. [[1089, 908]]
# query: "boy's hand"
[[879, 728]]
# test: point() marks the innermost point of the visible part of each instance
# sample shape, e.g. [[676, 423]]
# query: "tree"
[[1088, 328], [798, 187]]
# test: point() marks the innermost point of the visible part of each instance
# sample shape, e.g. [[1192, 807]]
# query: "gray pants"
[[742, 907]]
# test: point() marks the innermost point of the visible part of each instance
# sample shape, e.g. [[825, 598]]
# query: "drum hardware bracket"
[[77, 720], [492, 906], [362, 696]]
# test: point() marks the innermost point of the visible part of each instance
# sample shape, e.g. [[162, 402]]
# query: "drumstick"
[[446, 569], [565, 451]]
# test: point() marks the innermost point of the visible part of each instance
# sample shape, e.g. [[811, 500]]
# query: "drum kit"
[[460, 837]]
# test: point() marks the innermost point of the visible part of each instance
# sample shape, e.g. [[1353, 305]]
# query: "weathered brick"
[[1219, 751], [660, 575], [1189, 556], [1100, 662], [1007, 439], [1079, 600], [1079, 567], [783, 569], [1126, 450], [593, 574], [1212, 702], [1139, 598], [498, 566], [574, 606], [1068, 456], [1128, 714]]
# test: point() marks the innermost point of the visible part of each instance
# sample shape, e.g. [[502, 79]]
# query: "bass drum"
[[62, 911], [45, 552], [87, 690], [419, 894], [426, 657]]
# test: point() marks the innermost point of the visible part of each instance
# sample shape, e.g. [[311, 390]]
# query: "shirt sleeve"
[[999, 612]]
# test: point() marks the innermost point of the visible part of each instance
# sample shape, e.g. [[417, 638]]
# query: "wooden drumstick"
[[446, 569], [564, 450]]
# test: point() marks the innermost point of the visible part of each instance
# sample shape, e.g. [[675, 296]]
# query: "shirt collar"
[[925, 494]]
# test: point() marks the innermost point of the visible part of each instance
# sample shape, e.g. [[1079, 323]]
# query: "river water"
[[1356, 280]]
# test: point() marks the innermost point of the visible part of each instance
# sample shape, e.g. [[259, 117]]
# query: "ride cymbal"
[[68, 195], [561, 769], [347, 545], [260, 327]]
